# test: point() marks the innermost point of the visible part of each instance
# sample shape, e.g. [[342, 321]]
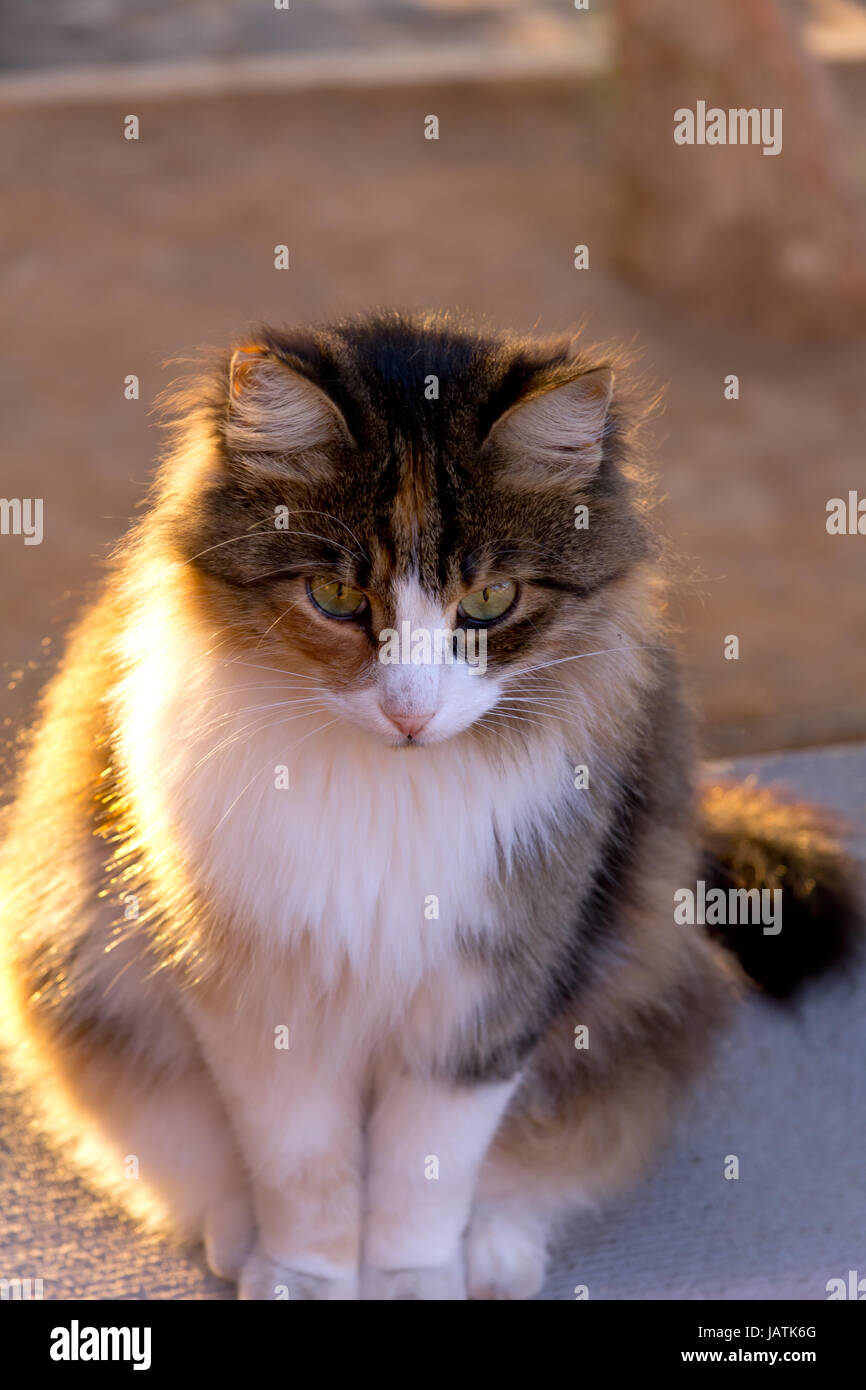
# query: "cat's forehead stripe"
[[416, 517], [411, 502]]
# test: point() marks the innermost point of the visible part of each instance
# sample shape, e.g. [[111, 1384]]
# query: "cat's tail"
[[810, 914]]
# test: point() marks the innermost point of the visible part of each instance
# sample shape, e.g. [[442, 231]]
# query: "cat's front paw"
[[445, 1283], [263, 1278], [229, 1233], [506, 1257]]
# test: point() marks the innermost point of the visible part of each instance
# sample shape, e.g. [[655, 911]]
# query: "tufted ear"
[[279, 421], [555, 436]]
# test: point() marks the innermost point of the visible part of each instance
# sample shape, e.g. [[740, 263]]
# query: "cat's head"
[[414, 518]]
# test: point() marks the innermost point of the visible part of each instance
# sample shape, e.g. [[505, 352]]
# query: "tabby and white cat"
[[313, 935]]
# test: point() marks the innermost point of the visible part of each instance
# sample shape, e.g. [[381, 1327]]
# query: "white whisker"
[[581, 656], [265, 765]]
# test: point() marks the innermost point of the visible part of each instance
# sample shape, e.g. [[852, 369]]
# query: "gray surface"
[[787, 1096], [106, 31]]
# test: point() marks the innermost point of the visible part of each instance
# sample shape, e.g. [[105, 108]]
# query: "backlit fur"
[[220, 833]]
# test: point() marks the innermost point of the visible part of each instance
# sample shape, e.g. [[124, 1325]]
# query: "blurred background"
[[304, 126]]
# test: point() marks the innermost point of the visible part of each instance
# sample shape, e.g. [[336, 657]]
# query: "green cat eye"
[[336, 599], [488, 603]]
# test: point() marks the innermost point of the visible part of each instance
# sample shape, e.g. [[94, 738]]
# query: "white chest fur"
[[374, 856]]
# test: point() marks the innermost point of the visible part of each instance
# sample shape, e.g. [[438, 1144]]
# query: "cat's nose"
[[411, 724]]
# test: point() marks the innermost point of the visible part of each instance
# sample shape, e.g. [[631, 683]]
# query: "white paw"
[[229, 1233], [445, 1283], [506, 1256], [263, 1279]]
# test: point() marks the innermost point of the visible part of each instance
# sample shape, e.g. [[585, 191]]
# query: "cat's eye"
[[488, 603], [335, 599]]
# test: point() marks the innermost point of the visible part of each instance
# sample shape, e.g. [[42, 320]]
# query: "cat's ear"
[[278, 421], [555, 436]]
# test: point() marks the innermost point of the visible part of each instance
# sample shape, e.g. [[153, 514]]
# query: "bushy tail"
[[754, 839]]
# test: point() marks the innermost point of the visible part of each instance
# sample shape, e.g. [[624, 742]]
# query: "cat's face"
[[413, 521]]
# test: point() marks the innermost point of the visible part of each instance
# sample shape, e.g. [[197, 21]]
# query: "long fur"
[[371, 1009]]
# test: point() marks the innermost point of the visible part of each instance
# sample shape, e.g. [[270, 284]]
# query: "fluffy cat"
[[314, 935]]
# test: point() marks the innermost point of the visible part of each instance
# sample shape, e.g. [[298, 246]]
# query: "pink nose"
[[411, 724]]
